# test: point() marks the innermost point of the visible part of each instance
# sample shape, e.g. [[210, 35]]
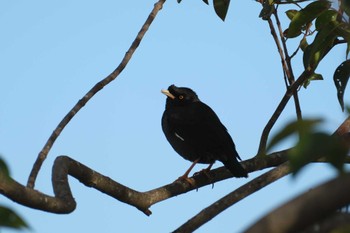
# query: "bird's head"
[[178, 96]]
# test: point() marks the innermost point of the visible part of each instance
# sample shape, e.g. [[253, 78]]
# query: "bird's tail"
[[235, 168]]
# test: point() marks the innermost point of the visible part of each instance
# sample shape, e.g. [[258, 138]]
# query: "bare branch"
[[289, 79], [98, 86], [263, 140], [63, 202], [306, 209], [230, 199]]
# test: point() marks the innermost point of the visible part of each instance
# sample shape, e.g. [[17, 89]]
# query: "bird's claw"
[[185, 179]]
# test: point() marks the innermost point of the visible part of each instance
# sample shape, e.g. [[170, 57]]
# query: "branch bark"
[[98, 86], [306, 209], [63, 202], [230, 199]]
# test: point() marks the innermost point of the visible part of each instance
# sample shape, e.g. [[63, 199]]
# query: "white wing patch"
[[178, 136]]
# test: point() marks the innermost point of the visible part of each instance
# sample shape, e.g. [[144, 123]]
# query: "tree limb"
[[63, 201], [98, 86], [230, 199], [307, 208]]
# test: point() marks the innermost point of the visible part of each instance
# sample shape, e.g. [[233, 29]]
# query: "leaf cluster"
[[325, 27], [313, 145]]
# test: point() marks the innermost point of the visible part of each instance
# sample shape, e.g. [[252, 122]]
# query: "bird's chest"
[[181, 130]]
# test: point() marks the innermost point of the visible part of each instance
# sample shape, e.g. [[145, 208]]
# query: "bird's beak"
[[167, 93]]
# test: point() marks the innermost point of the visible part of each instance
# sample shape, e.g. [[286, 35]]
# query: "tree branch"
[[230, 199], [263, 140], [98, 86], [63, 201], [290, 83], [307, 208]]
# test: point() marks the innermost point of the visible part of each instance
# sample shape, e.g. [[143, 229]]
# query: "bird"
[[196, 133]]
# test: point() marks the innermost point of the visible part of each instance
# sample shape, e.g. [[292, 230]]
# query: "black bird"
[[196, 133]]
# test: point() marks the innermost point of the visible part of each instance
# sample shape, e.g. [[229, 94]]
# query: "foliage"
[[313, 144], [328, 28], [8, 217]]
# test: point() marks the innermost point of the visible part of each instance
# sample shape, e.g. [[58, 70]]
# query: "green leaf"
[[322, 43], [291, 13], [345, 5], [316, 145], [221, 8], [9, 218], [303, 44], [306, 16], [341, 77], [267, 10], [325, 18], [302, 127], [313, 77], [3, 167]]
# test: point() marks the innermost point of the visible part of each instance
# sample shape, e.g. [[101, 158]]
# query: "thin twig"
[[290, 72], [98, 86], [289, 93], [291, 88]]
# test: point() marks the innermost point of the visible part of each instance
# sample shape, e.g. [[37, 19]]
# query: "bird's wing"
[[199, 126]]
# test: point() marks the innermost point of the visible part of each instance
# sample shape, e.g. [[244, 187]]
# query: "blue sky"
[[52, 53]]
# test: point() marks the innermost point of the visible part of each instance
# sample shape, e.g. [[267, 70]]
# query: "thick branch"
[[63, 202], [306, 209], [98, 86], [334, 223]]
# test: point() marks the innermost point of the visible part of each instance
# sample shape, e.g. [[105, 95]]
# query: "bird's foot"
[[186, 179], [204, 172]]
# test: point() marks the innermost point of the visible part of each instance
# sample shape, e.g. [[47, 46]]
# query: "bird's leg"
[[184, 177]]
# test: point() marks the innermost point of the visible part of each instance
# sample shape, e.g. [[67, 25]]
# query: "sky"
[[53, 52]]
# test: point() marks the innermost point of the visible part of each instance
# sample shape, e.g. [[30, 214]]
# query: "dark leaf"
[[306, 16], [295, 127], [3, 167], [313, 77], [341, 77], [221, 8], [325, 18], [345, 4], [291, 13], [322, 43], [206, 2], [316, 145], [266, 11], [9, 218], [178, 1], [303, 44]]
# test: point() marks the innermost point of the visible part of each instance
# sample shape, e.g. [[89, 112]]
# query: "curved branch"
[[63, 201], [98, 86], [307, 208]]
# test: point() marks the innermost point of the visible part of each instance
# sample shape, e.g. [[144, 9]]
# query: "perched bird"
[[196, 133]]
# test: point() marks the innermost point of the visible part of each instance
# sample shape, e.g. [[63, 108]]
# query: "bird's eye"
[[181, 97]]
